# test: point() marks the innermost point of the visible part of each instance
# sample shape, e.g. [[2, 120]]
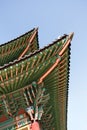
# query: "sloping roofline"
[[31, 54], [10, 42]]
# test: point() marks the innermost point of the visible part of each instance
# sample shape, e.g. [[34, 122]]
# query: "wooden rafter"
[[30, 69], [30, 42], [58, 60]]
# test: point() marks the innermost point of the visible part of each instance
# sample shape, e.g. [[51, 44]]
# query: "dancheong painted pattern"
[[34, 83]]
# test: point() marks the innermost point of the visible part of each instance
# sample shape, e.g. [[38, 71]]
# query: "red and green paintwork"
[[20, 72]]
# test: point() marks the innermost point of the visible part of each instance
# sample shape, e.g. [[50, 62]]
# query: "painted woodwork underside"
[[19, 81]]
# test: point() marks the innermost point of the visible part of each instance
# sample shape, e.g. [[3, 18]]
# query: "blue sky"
[[54, 18]]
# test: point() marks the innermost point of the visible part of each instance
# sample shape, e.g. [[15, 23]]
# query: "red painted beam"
[[58, 60], [30, 42], [3, 118]]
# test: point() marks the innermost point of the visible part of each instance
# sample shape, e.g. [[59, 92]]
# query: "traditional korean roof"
[[13, 49], [16, 80]]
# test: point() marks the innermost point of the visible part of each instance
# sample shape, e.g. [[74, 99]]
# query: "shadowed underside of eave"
[[29, 68], [12, 50], [57, 85], [20, 73]]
